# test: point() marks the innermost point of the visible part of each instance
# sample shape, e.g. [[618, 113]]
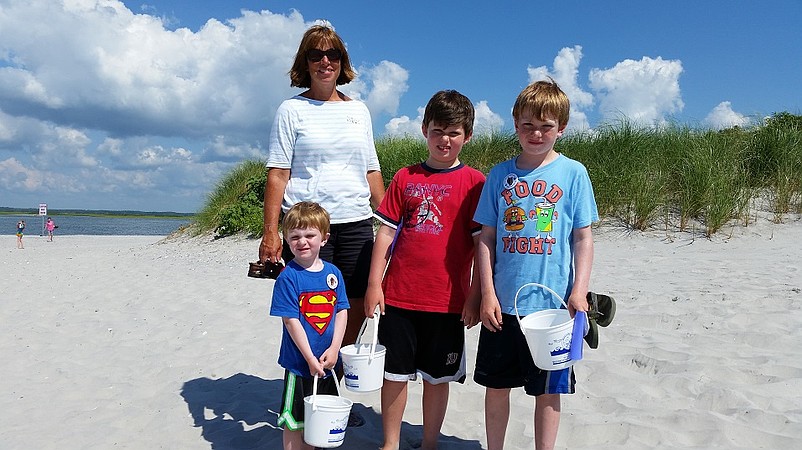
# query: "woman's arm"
[[270, 248], [376, 184]]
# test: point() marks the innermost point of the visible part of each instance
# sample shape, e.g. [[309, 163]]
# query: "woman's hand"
[[270, 248]]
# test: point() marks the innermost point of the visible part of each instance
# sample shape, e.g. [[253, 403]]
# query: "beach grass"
[[235, 205], [674, 176]]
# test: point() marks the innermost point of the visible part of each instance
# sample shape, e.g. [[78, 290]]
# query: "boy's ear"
[[468, 137], [425, 130], [561, 130], [325, 238]]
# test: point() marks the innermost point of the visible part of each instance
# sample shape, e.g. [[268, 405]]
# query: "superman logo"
[[318, 309]]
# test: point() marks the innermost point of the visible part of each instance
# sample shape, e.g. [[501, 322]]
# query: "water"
[[92, 225]]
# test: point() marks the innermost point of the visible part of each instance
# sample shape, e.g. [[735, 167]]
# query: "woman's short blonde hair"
[[314, 36]]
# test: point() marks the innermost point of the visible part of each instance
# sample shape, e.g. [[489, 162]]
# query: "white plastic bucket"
[[363, 364], [548, 333], [325, 418]]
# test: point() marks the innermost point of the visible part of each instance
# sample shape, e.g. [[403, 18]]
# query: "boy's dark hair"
[[541, 99], [306, 215], [299, 74], [448, 108]]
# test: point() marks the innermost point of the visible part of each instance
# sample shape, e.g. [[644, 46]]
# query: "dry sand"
[[143, 343]]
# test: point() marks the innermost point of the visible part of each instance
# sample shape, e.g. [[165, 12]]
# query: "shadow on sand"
[[240, 413]]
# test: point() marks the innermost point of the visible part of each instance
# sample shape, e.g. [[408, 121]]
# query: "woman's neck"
[[325, 94]]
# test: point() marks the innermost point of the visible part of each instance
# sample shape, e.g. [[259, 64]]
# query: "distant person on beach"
[[321, 149], [20, 232], [50, 226], [536, 212], [309, 296], [426, 297]]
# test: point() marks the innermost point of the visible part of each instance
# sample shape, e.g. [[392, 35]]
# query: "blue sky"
[[145, 104]]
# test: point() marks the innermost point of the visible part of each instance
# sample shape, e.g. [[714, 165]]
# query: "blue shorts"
[[419, 341], [349, 248], [292, 400], [503, 361]]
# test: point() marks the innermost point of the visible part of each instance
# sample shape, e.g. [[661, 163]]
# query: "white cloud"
[[722, 116], [645, 91], [66, 147], [220, 149], [98, 65], [485, 121], [380, 87], [15, 176], [405, 127], [566, 73], [152, 111]]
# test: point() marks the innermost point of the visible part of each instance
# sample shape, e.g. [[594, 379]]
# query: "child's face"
[[305, 243], [537, 137], [444, 143]]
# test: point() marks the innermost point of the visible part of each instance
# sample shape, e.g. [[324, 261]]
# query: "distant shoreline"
[[97, 213]]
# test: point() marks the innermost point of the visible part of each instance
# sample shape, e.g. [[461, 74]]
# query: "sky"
[[146, 104]]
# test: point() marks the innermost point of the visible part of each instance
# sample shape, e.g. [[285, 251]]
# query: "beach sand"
[[145, 342]]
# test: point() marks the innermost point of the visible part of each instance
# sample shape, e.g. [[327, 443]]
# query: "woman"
[[50, 226], [321, 149]]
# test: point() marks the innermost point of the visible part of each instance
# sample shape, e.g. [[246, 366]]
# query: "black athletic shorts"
[[292, 400], [503, 361], [426, 342], [349, 248]]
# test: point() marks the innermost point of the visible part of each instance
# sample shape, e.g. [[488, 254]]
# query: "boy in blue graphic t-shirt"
[[535, 210]]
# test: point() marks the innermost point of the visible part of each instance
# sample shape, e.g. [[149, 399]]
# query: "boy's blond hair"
[[542, 100], [449, 107], [306, 215]]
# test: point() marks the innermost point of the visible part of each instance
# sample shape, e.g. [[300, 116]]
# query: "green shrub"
[[235, 205]]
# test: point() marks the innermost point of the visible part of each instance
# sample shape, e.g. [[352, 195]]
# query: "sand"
[[143, 343]]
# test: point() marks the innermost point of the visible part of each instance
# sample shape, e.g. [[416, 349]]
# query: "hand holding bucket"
[[548, 333], [363, 364], [325, 417]]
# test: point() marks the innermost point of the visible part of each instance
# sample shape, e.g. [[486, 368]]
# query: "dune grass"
[[235, 205], [673, 177]]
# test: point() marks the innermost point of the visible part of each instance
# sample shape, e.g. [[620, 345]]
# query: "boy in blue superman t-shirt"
[[309, 296]]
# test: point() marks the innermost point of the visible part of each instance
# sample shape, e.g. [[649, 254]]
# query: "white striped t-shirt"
[[329, 149]]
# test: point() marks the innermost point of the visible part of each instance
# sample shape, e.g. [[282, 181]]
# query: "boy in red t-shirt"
[[426, 297]]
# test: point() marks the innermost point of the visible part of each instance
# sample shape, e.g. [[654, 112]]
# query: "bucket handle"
[[314, 389], [376, 314], [515, 301]]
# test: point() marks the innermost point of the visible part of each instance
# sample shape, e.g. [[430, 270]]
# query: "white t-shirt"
[[329, 149]]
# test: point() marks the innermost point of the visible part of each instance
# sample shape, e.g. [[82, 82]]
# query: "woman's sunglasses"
[[316, 55]]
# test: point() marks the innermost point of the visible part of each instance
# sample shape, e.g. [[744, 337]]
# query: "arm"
[[583, 261], [470, 312], [490, 309], [270, 248], [376, 184], [329, 358], [296, 331], [378, 263]]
